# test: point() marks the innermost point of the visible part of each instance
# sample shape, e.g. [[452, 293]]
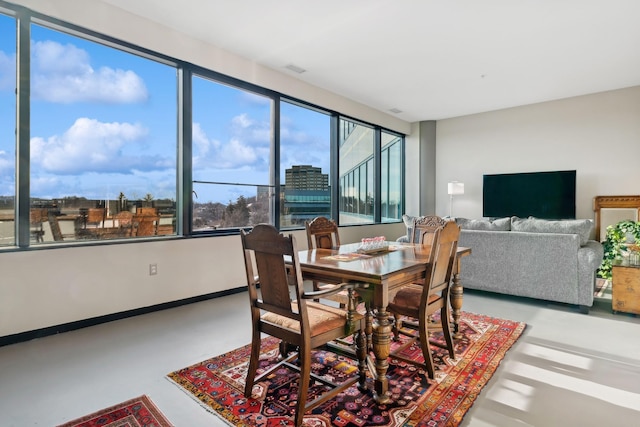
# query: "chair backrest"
[[423, 228], [443, 258], [146, 210], [322, 233], [265, 248], [145, 225], [123, 218]]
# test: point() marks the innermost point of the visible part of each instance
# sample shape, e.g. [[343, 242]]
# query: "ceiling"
[[429, 59]]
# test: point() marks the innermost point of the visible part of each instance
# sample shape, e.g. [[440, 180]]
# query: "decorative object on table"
[[218, 383], [617, 244], [454, 188], [370, 245], [138, 412]]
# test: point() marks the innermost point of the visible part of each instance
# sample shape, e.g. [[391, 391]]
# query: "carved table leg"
[[381, 349], [455, 294]]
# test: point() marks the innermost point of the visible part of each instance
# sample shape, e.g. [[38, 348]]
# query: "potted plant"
[[618, 238]]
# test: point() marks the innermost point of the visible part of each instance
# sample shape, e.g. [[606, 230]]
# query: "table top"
[[401, 263]]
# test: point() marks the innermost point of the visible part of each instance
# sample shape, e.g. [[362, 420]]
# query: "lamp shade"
[[455, 188]]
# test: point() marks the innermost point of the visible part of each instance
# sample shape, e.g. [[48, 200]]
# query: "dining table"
[[378, 275]]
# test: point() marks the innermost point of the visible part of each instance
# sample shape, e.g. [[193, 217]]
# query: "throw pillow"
[[581, 227], [408, 223], [497, 224]]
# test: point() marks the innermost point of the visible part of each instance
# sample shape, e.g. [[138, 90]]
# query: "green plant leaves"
[[616, 244]]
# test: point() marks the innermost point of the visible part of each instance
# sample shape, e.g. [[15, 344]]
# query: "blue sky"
[[104, 121]]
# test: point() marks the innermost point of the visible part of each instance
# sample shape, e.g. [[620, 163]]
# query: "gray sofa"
[[548, 260]]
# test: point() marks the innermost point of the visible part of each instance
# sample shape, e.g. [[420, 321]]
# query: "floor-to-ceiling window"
[[7, 129], [391, 179], [104, 152], [232, 136], [305, 164], [102, 140], [356, 154]]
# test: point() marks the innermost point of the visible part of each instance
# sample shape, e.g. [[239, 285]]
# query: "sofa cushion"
[[498, 224], [581, 227]]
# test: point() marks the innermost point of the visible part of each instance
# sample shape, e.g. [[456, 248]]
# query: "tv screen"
[[549, 195]]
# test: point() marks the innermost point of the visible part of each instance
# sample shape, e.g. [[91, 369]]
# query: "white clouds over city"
[[248, 147], [93, 146], [63, 74]]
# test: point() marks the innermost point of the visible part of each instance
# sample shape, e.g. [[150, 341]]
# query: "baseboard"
[[72, 326]]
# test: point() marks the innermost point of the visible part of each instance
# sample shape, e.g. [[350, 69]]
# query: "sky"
[[103, 122]]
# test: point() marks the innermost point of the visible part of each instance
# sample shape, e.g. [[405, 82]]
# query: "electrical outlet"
[[153, 269]]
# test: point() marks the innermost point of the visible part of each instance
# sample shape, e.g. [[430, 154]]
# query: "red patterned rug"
[[138, 412], [218, 383]]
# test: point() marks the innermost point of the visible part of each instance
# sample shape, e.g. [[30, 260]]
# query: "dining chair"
[[420, 301], [272, 267], [54, 224], [145, 224], [423, 227], [423, 231], [36, 218], [322, 233], [96, 217]]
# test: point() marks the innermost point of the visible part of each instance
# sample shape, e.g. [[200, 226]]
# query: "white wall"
[[49, 287], [597, 135]]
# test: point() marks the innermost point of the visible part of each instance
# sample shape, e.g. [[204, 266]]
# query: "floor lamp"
[[454, 188]]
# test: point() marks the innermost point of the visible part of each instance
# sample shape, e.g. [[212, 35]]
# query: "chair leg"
[[397, 325], [445, 317], [361, 353], [426, 349], [304, 357], [253, 364]]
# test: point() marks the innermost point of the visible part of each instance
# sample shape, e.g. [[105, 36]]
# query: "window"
[[7, 129], [305, 173], [100, 136], [356, 156], [102, 139], [391, 178], [232, 139]]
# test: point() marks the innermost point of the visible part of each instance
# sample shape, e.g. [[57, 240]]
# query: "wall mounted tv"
[[549, 195]]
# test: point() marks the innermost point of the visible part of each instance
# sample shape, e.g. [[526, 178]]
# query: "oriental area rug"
[[138, 412], [218, 383]]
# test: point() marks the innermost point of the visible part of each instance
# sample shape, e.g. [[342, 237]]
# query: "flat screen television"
[[549, 195]]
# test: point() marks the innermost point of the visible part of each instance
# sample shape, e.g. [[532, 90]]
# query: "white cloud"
[[63, 74], [92, 146], [247, 148]]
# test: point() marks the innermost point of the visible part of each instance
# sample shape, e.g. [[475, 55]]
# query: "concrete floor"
[[568, 369]]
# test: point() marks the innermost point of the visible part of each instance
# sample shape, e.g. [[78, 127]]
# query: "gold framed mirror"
[[613, 209]]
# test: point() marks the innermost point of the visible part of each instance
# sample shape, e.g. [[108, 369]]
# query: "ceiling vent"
[[295, 68], [395, 111]]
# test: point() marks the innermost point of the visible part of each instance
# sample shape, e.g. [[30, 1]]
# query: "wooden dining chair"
[[96, 217], [423, 232], [423, 227], [322, 233], [293, 317], [420, 301], [36, 218]]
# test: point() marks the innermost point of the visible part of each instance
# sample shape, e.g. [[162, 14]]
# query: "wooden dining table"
[[379, 275]]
